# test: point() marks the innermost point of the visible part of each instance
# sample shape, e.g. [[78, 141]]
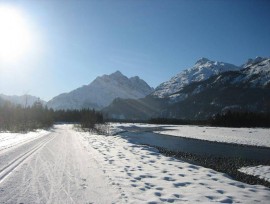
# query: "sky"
[[68, 43]]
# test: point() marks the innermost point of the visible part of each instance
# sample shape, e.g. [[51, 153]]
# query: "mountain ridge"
[[245, 88], [197, 92], [101, 92], [202, 70]]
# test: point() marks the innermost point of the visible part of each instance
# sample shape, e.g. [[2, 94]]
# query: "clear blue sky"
[[154, 39]]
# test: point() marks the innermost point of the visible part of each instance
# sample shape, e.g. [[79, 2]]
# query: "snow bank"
[[246, 136], [143, 175], [260, 171], [8, 140]]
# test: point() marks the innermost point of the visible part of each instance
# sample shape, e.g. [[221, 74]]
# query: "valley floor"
[[69, 166]]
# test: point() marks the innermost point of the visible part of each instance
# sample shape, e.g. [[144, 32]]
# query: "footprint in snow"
[[220, 191], [167, 178], [176, 195], [181, 184], [84, 186], [157, 194], [193, 167], [169, 200]]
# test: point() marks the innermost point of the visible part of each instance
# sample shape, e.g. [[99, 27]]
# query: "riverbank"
[[226, 157], [229, 166]]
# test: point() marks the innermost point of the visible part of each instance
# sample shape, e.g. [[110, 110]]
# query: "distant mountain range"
[[101, 92], [24, 100], [207, 88], [201, 91]]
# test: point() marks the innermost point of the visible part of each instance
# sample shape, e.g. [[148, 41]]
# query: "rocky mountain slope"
[[202, 70], [244, 90], [101, 92]]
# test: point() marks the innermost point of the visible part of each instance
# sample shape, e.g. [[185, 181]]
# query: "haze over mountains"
[[207, 88], [24, 100]]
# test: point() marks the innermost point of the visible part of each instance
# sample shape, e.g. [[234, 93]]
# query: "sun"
[[15, 38]]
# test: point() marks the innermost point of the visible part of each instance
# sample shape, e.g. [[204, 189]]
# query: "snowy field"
[[68, 166], [145, 176], [245, 136]]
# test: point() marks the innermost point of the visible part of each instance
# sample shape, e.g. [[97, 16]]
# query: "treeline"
[[17, 118], [228, 119], [174, 121], [241, 119], [86, 117]]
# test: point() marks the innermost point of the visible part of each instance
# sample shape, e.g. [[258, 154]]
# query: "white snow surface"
[[202, 70], [69, 166], [245, 136], [260, 171], [55, 168], [143, 175], [8, 140]]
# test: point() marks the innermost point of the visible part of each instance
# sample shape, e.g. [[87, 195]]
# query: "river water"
[[199, 147]]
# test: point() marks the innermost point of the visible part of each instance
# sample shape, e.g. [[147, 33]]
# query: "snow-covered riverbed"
[[245, 136]]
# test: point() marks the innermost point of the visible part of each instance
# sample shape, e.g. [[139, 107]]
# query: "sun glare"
[[15, 38]]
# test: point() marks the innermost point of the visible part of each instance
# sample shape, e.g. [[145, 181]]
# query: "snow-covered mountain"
[[245, 88], [24, 100], [101, 92], [256, 72], [253, 74], [202, 70]]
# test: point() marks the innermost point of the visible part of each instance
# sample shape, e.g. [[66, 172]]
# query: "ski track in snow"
[[67, 166], [9, 140], [55, 169]]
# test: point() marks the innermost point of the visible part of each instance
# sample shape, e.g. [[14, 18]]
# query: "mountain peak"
[[117, 73], [202, 70], [135, 78], [101, 92], [203, 60], [253, 61]]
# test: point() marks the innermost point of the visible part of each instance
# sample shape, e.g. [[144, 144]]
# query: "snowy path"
[[53, 169]]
